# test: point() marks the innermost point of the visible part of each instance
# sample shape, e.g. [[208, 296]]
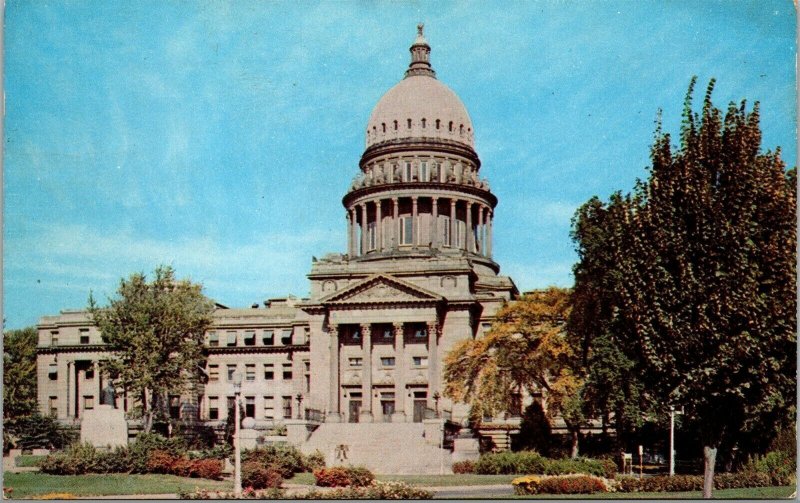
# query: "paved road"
[[458, 492]]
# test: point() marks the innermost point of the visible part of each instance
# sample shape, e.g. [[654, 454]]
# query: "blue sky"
[[219, 137]]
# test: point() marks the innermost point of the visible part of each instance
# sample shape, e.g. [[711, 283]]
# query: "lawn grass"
[[427, 480], [26, 485], [28, 460]]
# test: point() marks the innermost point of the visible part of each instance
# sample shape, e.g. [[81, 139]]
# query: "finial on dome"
[[420, 56]]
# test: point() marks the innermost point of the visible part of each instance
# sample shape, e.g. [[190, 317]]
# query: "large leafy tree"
[[525, 350], [19, 372], [156, 330], [704, 301]]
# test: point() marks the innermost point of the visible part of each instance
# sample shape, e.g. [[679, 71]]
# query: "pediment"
[[381, 289]]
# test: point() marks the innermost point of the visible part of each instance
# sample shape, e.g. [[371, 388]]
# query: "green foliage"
[[341, 476], [377, 490], [287, 459], [36, 432], [505, 463], [694, 279], [313, 461], [681, 483], [257, 476], [156, 329], [221, 451], [19, 372], [570, 484], [778, 465], [534, 430]]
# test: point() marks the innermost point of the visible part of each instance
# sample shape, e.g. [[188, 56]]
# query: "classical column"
[[433, 354], [96, 365], [453, 226], [470, 235], [395, 223], [366, 380], [69, 388], [399, 415], [333, 398], [481, 244], [414, 223], [378, 226], [490, 217], [434, 222], [364, 229], [354, 230], [349, 234]]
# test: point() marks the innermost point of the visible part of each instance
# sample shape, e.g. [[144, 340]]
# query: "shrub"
[[160, 462], [779, 465], [466, 466], [207, 469], [164, 462], [609, 467], [287, 459], [313, 461], [579, 465], [360, 476], [36, 432], [221, 451], [741, 480], [336, 476], [146, 443], [257, 476], [562, 484], [390, 490], [509, 463], [660, 483]]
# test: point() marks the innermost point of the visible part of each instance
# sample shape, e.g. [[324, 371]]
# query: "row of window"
[[407, 233], [249, 403], [83, 336], [352, 333], [424, 124], [268, 370], [389, 361], [249, 338]]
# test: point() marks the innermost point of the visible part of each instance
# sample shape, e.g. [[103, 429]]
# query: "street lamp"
[[672, 440], [299, 399], [237, 466]]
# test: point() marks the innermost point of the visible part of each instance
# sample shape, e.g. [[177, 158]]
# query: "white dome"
[[433, 109]]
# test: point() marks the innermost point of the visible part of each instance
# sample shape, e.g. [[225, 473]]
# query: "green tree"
[[19, 372], [156, 331], [525, 350], [705, 300]]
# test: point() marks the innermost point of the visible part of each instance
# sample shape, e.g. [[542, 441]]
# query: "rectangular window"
[[387, 333], [52, 371], [423, 171], [446, 231], [406, 230], [420, 361], [439, 171], [462, 234], [355, 362], [174, 407], [269, 407], [387, 361], [268, 338], [287, 371], [89, 373], [287, 407], [84, 333], [286, 337], [250, 406], [52, 406], [231, 338], [371, 236], [231, 404], [213, 407], [407, 172], [54, 338], [250, 371], [269, 371], [213, 372], [420, 333], [213, 339], [250, 338], [231, 370], [88, 402]]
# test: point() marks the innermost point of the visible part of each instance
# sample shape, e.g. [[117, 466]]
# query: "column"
[[453, 226], [470, 235], [366, 380], [395, 224], [490, 217], [415, 223], [333, 399], [69, 387], [434, 222], [481, 249], [354, 230], [433, 354], [364, 229], [96, 366], [378, 226], [399, 415], [349, 234]]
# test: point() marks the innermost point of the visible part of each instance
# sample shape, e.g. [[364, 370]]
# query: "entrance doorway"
[[355, 407], [387, 406], [420, 403]]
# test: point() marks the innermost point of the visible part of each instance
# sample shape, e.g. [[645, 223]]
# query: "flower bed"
[[342, 476], [560, 484]]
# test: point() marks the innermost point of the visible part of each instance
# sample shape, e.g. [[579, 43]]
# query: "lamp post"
[[237, 466], [299, 399], [672, 413], [436, 397]]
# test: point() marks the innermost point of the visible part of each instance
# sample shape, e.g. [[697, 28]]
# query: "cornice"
[[256, 349], [73, 348], [398, 145], [420, 189]]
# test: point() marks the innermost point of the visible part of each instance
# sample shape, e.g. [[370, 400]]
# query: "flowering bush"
[[342, 476], [257, 476], [522, 462], [562, 484], [465, 466], [375, 490], [286, 459], [779, 465], [313, 461], [164, 462]]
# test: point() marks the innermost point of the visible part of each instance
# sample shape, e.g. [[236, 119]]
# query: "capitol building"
[[358, 362]]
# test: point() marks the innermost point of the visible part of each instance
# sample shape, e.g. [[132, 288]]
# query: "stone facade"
[[368, 344]]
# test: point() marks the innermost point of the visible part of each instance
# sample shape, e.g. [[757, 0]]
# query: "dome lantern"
[[420, 56]]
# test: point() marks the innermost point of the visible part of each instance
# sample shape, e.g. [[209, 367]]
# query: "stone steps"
[[385, 448]]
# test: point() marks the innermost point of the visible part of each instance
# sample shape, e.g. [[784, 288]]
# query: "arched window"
[[395, 125], [437, 123], [383, 126], [423, 123], [409, 123], [450, 126], [461, 129]]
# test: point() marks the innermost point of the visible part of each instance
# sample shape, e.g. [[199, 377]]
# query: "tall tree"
[[525, 350], [705, 303], [19, 372], [156, 331]]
